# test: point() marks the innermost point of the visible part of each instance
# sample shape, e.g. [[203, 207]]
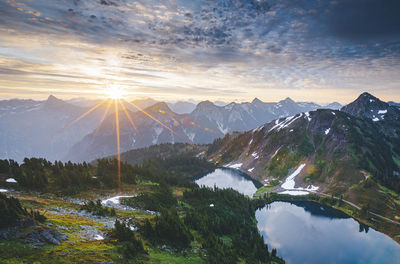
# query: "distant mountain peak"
[[367, 100], [205, 104], [256, 101], [370, 107], [367, 96], [52, 98], [287, 100], [160, 106], [53, 101]]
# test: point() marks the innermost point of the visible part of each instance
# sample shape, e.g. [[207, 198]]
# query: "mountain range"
[[203, 125], [43, 128], [352, 153]]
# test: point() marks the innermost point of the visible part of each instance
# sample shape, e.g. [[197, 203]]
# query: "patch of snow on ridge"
[[382, 111], [235, 166], [307, 115], [375, 119], [327, 131], [285, 123], [250, 170], [333, 113], [276, 152], [255, 155], [221, 128], [259, 128], [289, 182], [3, 190]]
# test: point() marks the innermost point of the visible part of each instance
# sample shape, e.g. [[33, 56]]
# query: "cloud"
[[365, 20], [226, 46]]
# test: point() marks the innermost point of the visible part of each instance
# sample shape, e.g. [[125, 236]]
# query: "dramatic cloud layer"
[[216, 49]]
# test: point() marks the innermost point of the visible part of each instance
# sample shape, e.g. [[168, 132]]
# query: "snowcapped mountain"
[[38, 128], [203, 125], [342, 152], [369, 107]]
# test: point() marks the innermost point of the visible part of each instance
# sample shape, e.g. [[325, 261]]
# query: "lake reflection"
[[229, 178], [311, 233]]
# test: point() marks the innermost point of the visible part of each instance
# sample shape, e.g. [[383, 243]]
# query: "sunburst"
[[114, 96]]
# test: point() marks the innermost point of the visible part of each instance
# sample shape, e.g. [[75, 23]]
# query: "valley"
[[188, 203], [199, 132]]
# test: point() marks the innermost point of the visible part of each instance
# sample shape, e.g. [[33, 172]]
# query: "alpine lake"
[[308, 232]]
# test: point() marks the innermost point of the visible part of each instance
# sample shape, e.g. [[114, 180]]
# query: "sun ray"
[[101, 121], [130, 119], [118, 145], [81, 116], [155, 119]]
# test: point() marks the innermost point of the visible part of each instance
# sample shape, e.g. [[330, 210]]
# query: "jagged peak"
[[53, 98], [256, 101], [54, 101], [158, 107], [287, 100], [367, 96], [367, 99]]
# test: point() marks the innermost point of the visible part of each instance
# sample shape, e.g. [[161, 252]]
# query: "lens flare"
[[114, 93], [118, 144]]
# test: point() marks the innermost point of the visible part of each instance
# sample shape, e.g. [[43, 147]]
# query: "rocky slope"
[[328, 151]]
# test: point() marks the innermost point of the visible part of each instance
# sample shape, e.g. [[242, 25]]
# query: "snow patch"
[[285, 123], [307, 115], [235, 166], [211, 205], [255, 155], [294, 192], [312, 188], [333, 113], [221, 128], [98, 237], [3, 190], [11, 180], [382, 112], [375, 119], [200, 154], [250, 170], [115, 199], [289, 182], [276, 152], [327, 131]]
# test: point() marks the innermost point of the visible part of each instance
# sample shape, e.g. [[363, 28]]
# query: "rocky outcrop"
[[42, 235]]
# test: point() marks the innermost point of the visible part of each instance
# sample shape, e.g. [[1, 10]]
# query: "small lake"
[[307, 232], [229, 178]]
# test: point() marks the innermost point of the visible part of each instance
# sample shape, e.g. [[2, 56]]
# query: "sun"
[[114, 93]]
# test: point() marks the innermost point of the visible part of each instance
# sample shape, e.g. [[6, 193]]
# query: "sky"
[[230, 50]]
